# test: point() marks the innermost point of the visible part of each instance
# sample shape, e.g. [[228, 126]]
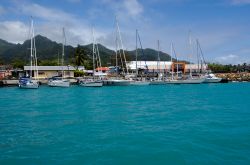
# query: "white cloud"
[[215, 40], [125, 8], [49, 22], [230, 59], [133, 7], [13, 31], [46, 13]]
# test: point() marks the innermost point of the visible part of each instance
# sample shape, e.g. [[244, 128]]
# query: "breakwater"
[[243, 76]]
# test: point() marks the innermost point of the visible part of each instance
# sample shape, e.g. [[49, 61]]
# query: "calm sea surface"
[[172, 124]]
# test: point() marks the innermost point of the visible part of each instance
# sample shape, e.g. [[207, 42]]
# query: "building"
[[165, 66], [5, 71], [45, 72]]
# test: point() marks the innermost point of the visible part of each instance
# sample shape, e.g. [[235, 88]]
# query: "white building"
[[50, 71], [163, 65]]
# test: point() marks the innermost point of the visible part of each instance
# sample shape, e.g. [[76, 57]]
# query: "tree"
[[47, 62], [17, 63], [80, 56], [1, 61]]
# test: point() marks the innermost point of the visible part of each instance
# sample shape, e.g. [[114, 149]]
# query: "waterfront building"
[[45, 72], [165, 66]]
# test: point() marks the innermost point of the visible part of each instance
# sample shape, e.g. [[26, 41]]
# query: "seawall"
[[243, 76]]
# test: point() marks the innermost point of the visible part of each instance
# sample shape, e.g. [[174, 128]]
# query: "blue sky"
[[222, 26]]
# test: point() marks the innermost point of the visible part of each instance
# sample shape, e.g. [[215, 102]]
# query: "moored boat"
[[211, 78], [157, 82], [91, 83], [29, 82], [186, 81], [58, 82], [139, 83], [116, 82]]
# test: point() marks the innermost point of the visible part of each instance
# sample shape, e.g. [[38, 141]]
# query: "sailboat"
[[159, 80], [29, 82], [177, 80], [59, 81], [209, 77], [119, 81], [137, 81], [95, 54]]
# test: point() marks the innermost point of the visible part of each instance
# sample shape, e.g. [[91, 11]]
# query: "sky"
[[222, 27]]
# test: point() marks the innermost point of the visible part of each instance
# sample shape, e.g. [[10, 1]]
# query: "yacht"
[[60, 81], [57, 81], [211, 78], [29, 82]]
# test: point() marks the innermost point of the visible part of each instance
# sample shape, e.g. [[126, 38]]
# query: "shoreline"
[[226, 77], [239, 77]]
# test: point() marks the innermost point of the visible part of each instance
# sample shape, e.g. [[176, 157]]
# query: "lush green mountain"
[[148, 55], [48, 50], [4, 45]]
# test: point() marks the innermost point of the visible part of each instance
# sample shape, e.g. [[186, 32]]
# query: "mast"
[[202, 56], [171, 52], [93, 52], [136, 53], [198, 57], [177, 66], [192, 52], [98, 54], [31, 47], [63, 43], [34, 54], [116, 60], [158, 62], [139, 38], [120, 37]]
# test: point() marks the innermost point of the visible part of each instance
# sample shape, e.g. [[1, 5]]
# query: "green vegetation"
[[78, 73], [48, 52], [17, 63], [48, 62], [219, 68], [82, 58]]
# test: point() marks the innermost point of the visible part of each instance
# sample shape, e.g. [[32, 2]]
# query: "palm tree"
[[80, 56]]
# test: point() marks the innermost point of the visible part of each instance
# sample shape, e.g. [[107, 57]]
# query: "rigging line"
[[35, 57], [198, 56], [121, 60], [123, 52], [177, 66], [98, 53], [142, 49], [202, 55]]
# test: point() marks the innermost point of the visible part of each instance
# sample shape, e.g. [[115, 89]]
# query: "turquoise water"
[[172, 124]]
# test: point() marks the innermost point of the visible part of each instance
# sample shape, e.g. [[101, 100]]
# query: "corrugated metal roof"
[[150, 64], [51, 68]]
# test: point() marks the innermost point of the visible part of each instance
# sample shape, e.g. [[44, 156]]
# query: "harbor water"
[[168, 124]]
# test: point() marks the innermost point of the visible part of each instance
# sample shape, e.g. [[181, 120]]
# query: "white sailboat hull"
[[139, 83], [212, 80], [29, 85], [91, 84], [117, 82], [187, 81], [157, 83], [59, 83]]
